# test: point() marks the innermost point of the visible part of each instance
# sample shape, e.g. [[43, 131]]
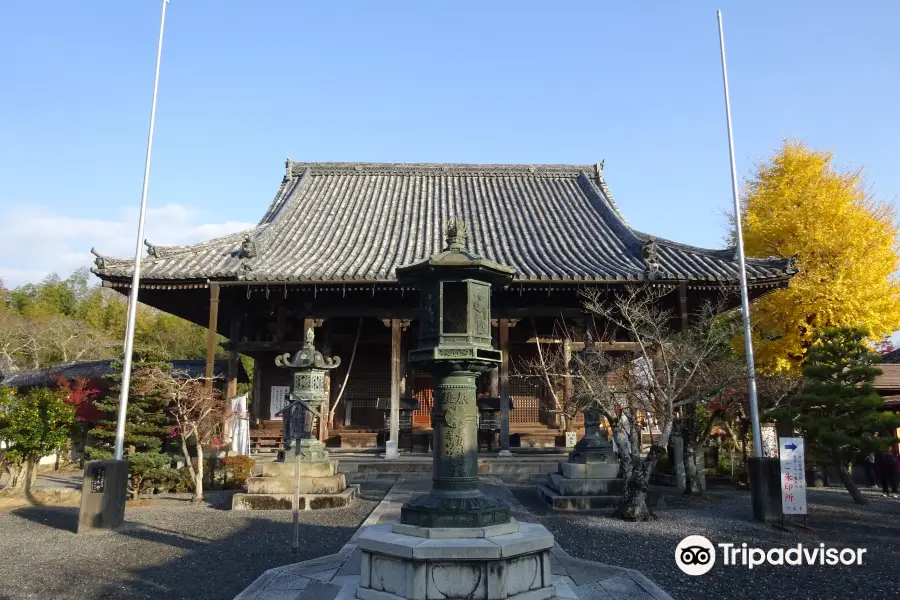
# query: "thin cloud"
[[36, 241]]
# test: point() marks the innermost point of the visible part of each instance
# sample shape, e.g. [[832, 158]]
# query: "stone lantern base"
[[271, 487], [499, 562], [583, 486]]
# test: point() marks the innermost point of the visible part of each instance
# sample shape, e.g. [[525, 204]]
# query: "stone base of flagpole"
[[765, 488], [103, 495]]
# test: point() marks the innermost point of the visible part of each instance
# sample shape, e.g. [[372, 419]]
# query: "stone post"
[[678, 459]]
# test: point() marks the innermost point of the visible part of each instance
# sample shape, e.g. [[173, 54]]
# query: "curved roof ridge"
[[284, 191], [216, 241], [597, 194], [727, 253], [157, 252], [393, 168]]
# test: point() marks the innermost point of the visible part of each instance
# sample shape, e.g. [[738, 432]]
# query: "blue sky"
[[243, 85]]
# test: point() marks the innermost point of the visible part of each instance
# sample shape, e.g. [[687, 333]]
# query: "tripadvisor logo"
[[696, 555]]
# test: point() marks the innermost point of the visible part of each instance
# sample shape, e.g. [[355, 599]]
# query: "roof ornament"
[[791, 266], [153, 250], [244, 270], [650, 256], [100, 260], [288, 168], [248, 248], [105, 262], [457, 232]]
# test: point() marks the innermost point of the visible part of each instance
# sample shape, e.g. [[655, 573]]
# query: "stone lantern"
[[456, 541], [594, 448], [303, 467], [308, 368], [589, 479]]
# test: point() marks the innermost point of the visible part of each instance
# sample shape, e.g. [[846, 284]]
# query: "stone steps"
[[560, 502], [584, 487], [517, 469], [331, 484], [284, 501]]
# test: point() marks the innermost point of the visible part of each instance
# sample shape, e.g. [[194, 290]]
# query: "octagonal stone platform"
[[337, 576], [499, 562]]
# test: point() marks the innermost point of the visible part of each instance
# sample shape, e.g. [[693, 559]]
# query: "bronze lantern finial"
[[457, 232]]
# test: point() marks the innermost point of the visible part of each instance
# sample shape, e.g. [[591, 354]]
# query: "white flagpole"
[[135, 278], [745, 302]]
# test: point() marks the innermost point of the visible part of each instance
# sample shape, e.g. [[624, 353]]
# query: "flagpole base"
[[765, 490]]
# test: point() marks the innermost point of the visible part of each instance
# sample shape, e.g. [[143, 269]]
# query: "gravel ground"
[[167, 549], [725, 518]]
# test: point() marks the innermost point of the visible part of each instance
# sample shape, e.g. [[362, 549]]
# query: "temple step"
[[331, 484], [561, 502], [284, 501]]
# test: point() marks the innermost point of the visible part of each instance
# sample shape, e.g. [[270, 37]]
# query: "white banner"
[[240, 426], [793, 476]]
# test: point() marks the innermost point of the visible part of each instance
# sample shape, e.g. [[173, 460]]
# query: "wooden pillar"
[[405, 386], [568, 387], [495, 372], [257, 392], [212, 334], [396, 331], [682, 305], [281, 324], [503, 336]]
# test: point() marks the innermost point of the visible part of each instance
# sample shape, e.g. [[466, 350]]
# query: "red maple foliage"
[[885, 346], [723, 401], [81, 397]]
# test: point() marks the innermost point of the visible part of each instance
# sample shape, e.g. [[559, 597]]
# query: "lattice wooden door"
[[526, 397]]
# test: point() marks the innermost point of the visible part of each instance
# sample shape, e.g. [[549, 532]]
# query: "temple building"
[[324, 256]]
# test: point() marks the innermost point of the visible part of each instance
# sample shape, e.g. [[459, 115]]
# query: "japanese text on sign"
[[793, 476]]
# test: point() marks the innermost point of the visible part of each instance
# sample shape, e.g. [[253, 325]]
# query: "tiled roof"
[[95, 369], [892, 357], [358, 222]]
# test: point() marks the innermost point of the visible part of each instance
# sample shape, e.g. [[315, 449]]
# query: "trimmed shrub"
[[237, 469]]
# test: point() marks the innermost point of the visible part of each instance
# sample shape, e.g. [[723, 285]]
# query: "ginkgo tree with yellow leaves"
[[845, 243]]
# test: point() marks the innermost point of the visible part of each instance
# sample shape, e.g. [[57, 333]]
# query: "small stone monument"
[[271, 485], [456, 541]]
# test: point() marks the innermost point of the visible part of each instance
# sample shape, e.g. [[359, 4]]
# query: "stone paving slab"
[[336, 577]]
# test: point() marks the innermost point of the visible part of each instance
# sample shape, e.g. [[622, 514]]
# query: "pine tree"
[[146, 421], [838, 410]]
